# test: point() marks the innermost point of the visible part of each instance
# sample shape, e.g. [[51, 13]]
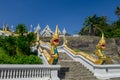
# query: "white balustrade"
[[100, 71], [9, 72]]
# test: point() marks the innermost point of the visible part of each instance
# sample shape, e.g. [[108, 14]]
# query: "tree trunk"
[[91, 30]]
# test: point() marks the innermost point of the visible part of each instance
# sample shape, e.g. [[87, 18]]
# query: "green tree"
[[21, 29], [9, 44], [2, 40], [90, 24], [116, 28], [84, 31], [117, 12], [22, 45], [31, 38]]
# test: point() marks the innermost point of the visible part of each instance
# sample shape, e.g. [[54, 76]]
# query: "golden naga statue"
[[53, 56], [53, 51], [100, 48]]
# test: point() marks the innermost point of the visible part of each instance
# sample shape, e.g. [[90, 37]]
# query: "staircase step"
[[64, 56], [73, 70], [115, 78]]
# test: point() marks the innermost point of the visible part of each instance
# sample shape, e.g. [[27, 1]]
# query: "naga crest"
[[102, 43], [55, 37]]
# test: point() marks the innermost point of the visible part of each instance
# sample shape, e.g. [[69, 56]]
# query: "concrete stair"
[[72, 70]]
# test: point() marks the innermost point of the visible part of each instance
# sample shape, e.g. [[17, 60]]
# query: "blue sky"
[[66, 13]]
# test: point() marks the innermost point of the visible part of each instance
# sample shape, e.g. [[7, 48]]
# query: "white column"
[[16, 73], [41, 73], [8, 74], [12, 28], [37, 72], [64, 32], [19, 73], [54, 75], [22, 73], [32, 72], [27, 74], [48, 73], [30, 75], [2, 73], [31, 27], [11, 74]]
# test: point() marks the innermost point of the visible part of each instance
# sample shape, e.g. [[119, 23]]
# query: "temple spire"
[[56, 34], [64, 31]]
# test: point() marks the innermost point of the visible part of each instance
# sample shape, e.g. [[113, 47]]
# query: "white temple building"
[[47, 32]]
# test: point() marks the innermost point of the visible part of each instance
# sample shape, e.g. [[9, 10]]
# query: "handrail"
[[106, 71]]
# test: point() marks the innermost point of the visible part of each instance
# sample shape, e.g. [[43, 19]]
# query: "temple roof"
[[47, 32]]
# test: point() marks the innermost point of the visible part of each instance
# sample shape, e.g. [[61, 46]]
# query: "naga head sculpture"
[[102, 43], [55, 38]]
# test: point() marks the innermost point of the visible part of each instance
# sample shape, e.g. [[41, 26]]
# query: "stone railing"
[[100, 71], [45, 44], [42, 56], [31, 72]]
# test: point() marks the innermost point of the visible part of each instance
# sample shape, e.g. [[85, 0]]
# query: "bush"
[[18, 59], [24, 59]]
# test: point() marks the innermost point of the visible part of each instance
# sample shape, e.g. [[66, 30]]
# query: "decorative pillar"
[[64, 39]]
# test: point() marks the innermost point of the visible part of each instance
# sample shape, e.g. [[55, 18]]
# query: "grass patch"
[[88, 52], [77, 50]]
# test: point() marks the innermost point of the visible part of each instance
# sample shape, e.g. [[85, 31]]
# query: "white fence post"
[[54, 75]]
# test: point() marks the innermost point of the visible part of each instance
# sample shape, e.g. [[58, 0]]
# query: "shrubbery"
[[24, 59], [16, 49], [5, 58]]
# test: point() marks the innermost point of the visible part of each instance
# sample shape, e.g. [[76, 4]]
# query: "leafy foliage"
[[91, 23], [110, 29], [9, 44], [24, 59], [16, 49], [18, 59], [21, 29], [117, 12]]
